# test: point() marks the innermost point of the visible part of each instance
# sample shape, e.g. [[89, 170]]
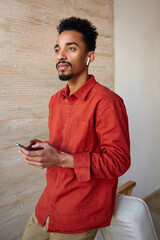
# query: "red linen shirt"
[[92, 125]]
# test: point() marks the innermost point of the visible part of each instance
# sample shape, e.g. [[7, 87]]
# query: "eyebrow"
[[68, 44]]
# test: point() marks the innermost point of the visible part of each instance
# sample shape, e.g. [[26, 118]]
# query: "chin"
[[65, 77]]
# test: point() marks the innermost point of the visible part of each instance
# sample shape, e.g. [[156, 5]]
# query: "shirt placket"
[[53, 202], [70, 102]]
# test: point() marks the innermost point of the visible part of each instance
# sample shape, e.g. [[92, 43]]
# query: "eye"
[[56, 50], [72, 49]]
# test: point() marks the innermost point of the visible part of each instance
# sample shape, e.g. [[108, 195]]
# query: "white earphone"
[[88, 61]]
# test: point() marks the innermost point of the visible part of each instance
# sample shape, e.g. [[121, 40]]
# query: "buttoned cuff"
[[81, 163]]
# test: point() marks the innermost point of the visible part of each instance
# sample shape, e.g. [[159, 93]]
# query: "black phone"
[[20, 145]]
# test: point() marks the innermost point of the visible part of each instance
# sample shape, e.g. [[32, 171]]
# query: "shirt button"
[[52, 203]]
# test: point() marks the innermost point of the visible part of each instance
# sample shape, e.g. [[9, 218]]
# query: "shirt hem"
[[80, 231]]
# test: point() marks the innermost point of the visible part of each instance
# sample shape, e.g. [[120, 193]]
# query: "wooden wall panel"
[[28, 79]]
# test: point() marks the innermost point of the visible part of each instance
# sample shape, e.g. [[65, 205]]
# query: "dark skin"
[[71, 50]]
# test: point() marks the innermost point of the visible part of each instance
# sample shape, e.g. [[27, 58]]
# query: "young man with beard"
[[88, 147]]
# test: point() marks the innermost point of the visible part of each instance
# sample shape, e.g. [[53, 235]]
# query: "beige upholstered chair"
[[131, 221]]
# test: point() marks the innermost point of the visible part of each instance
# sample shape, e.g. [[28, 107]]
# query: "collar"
[[82, 92]]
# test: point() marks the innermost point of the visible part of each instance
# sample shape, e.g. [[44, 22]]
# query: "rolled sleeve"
[[82, 166]]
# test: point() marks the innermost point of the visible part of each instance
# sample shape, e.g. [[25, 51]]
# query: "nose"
[[62, 55]]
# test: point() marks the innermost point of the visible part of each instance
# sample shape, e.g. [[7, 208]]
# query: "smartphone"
[[20, 145]]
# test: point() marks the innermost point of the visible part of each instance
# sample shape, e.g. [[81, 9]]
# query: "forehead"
[[70, 36]]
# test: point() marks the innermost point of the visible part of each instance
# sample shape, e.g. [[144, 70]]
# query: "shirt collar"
[[82, 92]]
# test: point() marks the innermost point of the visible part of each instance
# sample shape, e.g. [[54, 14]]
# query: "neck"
[[77, 81]]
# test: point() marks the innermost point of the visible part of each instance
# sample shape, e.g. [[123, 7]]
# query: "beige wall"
[[28, 79], [137, 80]]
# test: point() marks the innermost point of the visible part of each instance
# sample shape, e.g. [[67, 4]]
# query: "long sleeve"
[[113, 159]]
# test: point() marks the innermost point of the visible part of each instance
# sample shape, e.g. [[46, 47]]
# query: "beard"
[[65, 77]]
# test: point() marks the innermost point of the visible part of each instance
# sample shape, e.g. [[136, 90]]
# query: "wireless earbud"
[[88, 61]]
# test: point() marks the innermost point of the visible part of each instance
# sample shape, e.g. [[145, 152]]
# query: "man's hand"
[[33, 142], [46, 157]]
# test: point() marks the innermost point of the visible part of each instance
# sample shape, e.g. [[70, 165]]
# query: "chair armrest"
[[126, 188]]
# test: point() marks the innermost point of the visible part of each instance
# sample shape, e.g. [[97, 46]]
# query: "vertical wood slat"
[[28, 78]]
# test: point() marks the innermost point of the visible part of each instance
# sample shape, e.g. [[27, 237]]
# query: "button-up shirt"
[[92, 125]]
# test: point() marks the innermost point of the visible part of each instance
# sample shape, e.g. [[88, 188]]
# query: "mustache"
[[63, 62]]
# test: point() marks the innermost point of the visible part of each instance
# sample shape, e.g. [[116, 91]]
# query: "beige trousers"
[[34, 231]]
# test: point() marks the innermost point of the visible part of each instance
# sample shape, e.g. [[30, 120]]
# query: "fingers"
[[32, 154], [48, 156], [39, 145], [34, 158], [32, 142]]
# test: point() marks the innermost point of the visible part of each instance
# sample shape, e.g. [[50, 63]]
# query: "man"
[[88, 146]]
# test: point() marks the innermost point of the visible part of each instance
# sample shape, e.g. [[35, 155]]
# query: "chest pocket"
[[79, 135]]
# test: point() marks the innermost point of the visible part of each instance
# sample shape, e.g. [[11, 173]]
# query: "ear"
[[90, 57]]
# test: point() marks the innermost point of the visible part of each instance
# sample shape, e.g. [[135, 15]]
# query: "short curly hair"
[[83, 26]]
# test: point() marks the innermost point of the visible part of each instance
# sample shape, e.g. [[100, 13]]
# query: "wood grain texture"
[[28, 79], [126, 188]]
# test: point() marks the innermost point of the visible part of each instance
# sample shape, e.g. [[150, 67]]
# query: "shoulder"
[[55, 97], [102, 93], [108, 103]]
